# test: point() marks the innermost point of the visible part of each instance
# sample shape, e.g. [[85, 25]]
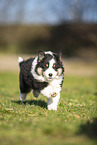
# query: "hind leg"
[[24, 89], [23, 96]]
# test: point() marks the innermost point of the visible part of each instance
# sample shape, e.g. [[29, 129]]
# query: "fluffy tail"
[[20, 59]]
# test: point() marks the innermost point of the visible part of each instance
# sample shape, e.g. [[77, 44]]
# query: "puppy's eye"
[[54, 65], [46, 64]]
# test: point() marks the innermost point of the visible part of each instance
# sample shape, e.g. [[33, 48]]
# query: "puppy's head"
[[49, 65]]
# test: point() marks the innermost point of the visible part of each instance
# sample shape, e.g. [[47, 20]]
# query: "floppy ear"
[[41, 55], [58, 56]]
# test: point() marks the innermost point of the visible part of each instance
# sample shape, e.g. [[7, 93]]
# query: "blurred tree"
[[69, 38], [75, 10]]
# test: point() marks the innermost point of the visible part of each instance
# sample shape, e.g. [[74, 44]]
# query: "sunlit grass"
[[74, 123]]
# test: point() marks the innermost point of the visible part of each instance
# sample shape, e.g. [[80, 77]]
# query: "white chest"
[[53, 87]]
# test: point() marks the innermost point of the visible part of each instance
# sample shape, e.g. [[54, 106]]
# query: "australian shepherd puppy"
[[44, 75]]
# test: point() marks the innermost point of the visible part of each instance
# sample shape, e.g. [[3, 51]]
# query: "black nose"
[[50, 74]]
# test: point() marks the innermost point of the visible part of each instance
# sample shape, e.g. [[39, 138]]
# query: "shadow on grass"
[[89, 129], [40, 103]]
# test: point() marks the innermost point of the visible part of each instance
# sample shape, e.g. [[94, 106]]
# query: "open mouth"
[[50, 78]]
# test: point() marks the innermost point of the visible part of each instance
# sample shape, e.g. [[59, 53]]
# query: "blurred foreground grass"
[[74, 123]]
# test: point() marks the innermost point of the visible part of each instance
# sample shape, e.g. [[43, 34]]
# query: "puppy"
[[44, 75]]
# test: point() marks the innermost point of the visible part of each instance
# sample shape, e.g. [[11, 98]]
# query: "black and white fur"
[[44, 75]]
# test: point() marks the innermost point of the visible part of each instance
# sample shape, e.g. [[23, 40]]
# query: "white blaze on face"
[[50, 73]]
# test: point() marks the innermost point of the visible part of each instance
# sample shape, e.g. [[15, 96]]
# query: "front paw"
[[54, 94], [52, 107]]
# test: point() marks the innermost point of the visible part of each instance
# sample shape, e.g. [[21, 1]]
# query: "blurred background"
[[69, 26], [66, 25]]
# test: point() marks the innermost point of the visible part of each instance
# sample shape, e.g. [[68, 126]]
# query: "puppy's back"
[[25, 65]]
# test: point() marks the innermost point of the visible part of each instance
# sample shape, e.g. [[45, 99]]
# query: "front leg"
[[36, 93], [53, 101]]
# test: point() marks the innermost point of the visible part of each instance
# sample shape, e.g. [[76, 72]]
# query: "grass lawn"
[[74, 123]]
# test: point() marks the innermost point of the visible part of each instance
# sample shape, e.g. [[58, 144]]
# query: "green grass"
[[74, 123]]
